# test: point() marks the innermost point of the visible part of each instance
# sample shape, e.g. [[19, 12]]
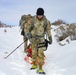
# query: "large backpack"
[[24, 19]]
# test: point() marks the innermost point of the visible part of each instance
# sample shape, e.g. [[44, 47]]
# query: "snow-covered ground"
[[60, 60]]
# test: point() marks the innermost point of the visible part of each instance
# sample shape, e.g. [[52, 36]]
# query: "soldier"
[[22, 23], [36, 30]]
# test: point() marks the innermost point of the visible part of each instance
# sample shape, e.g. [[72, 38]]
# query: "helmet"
[[40, 11]]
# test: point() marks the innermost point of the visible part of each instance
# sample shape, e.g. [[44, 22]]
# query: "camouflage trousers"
[[38, 52]]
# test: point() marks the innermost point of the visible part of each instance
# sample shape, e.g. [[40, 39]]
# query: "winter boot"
[[40, 71], [33, 67]]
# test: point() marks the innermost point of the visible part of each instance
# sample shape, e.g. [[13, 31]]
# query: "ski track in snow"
[[15, 64]]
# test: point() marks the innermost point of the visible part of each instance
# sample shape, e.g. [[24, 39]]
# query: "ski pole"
[[14, 50]]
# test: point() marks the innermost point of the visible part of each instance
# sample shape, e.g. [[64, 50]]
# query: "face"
[[40, 17]]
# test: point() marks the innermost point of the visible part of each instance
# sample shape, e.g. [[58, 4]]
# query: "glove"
[[50, 40], [28, 35]]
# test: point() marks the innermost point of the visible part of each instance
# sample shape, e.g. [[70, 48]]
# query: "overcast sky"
[[11, 10]]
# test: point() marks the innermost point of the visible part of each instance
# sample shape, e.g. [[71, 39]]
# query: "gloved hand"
[[50, 40], [28, 35]]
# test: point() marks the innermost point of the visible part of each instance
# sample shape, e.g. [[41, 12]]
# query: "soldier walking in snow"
[[36, 29]]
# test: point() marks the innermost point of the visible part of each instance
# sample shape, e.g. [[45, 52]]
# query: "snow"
[[60, 60]]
